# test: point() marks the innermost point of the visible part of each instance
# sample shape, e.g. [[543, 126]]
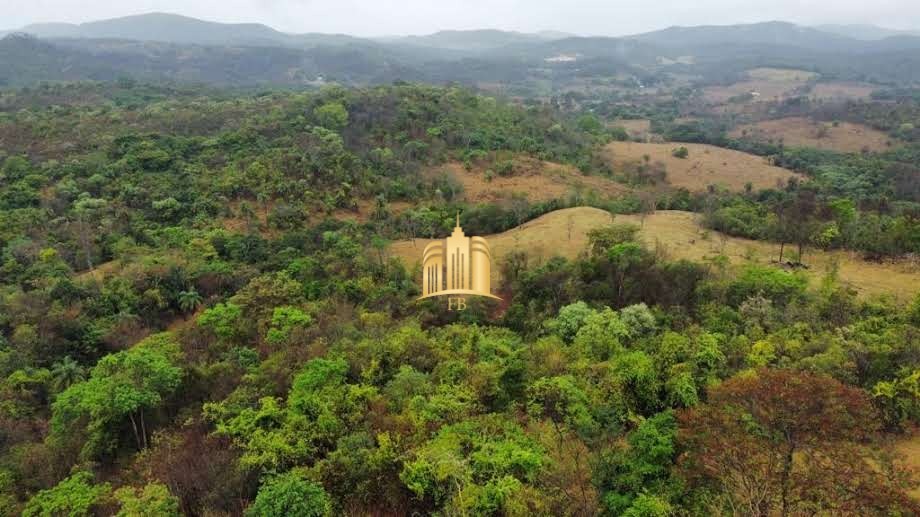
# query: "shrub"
[[779, 286], [290, 494]]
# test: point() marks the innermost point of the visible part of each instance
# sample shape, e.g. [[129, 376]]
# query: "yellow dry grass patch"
[[765, 84], [842, 91], [635, 128], [533, 179], [706, 165], [804, 132], [677, 235], [781, 74], [560, 233], [910, 449]]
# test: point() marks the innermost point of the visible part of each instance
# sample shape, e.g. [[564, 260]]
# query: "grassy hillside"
[[678, 235], [802, 132], [704, 165], [561, 233], [532, 179]]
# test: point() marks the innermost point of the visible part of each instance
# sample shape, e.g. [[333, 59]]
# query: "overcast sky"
[[385, 17]]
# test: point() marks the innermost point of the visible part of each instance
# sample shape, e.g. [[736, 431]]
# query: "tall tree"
[[65, 373], [790, 443], [125, 385], [189, 300]]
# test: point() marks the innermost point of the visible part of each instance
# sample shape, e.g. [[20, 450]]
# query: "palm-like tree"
[[189, 301], [66, 373]]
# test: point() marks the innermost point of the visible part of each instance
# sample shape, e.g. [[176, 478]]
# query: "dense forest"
[[199, 315]]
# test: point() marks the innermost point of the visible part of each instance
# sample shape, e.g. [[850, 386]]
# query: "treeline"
[[71, 172], [867, 202], [802, 218]]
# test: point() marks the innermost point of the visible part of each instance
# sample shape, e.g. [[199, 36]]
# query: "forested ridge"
[[199, 316]]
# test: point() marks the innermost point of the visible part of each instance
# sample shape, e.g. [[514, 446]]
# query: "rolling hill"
[[865, 31], [704, 166], [173, 48], [174, 28], [767, 33], [473, 40], [677, 235]]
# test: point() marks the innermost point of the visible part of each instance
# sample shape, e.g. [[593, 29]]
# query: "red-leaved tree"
[[782, 442]]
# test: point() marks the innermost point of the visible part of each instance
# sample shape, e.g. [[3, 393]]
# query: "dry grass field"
[[781, 75], [804, 132], [842, 90], [766, 84], [706, 165], [536, 180], [560, 233], [677, 235], [635, 128], [910, 448]]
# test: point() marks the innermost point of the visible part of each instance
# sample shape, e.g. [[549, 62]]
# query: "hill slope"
[[175, 28], [864, 31], [705, 165], [471, 40], [767, 33], [678, 236]]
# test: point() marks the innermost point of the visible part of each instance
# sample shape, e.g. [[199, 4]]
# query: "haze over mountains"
[[169, 47], [865, 32]]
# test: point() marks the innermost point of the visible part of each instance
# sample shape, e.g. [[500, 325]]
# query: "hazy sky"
[[383, 17]]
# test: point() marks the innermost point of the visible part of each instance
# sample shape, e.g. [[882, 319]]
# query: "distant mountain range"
[[781, 35], [865, 32], [174, 28], [767, 33], [169, 47], [484, 39]]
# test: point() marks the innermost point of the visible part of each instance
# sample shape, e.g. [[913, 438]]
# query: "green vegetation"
[[198, 316], [867, 202]]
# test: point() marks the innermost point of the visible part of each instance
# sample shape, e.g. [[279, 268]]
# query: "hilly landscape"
[[704, 242], [169, 47]]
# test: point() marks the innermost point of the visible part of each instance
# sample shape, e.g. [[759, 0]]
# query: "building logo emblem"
[[456, 267]]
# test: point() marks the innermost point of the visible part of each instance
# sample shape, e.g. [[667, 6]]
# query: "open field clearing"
[[561, 233], [538, 181], [706, 165], [842, 90], [781, 74], [910, 448], [804, 132], [759, 91], [677, 235], [635, 128], [762, 84]]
